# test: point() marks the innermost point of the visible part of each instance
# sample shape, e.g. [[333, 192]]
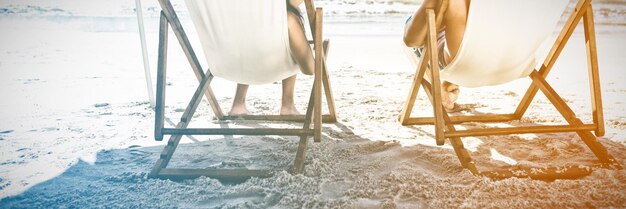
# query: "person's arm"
[[415, 31]]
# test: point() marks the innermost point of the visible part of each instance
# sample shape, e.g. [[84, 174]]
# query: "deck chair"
[[235, 51], [491, 55]]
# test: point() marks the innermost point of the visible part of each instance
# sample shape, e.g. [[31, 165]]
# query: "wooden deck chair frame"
[[313, 115], [444, 124]]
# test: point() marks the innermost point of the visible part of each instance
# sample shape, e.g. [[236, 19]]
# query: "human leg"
[[303, 56], [453, 26], [287, 104], [454, 21], [239, 103]]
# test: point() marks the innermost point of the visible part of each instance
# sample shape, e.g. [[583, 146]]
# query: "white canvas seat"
[[503, 41], [244, 41]]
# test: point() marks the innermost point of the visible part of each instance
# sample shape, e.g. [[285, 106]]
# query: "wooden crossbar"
[[519, 130], [326, 118], [238, 131], [462, 119]]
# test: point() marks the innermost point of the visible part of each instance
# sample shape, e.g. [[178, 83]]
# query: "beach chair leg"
[[594, 77], [434, 75], [319, 73], [159, 107]]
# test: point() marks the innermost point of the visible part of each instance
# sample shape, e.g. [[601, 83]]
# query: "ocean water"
[[120, 15], [607, 11]]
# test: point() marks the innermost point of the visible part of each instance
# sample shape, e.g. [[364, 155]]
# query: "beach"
[[77, 126]]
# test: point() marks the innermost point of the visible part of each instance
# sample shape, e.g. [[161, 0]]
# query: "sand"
[[76, 128]]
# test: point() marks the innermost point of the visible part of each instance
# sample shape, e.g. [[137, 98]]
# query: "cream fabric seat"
[[244, 41], [503, 41]]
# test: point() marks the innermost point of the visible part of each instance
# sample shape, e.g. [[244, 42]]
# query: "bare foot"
[[289, 110], [238, 111], [449, 95]]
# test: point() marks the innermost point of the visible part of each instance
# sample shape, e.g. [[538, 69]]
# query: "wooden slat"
[[319, 73], [237, 131], [594, 76], [291, 118], [177, 27], [159, 108], [545, 174], [519, 130], [226, 175], [436, 82], [556, 50], [488, 118]]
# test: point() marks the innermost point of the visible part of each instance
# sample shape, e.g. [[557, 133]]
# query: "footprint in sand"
[[49, 129], [511, 94], [617, 123], [101, 104], [6, 132], [4, 184]]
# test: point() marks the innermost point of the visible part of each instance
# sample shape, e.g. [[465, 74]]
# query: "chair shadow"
[[119, 171], [118, 177]]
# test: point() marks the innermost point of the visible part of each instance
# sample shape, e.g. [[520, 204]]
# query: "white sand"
[[76, 128]]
